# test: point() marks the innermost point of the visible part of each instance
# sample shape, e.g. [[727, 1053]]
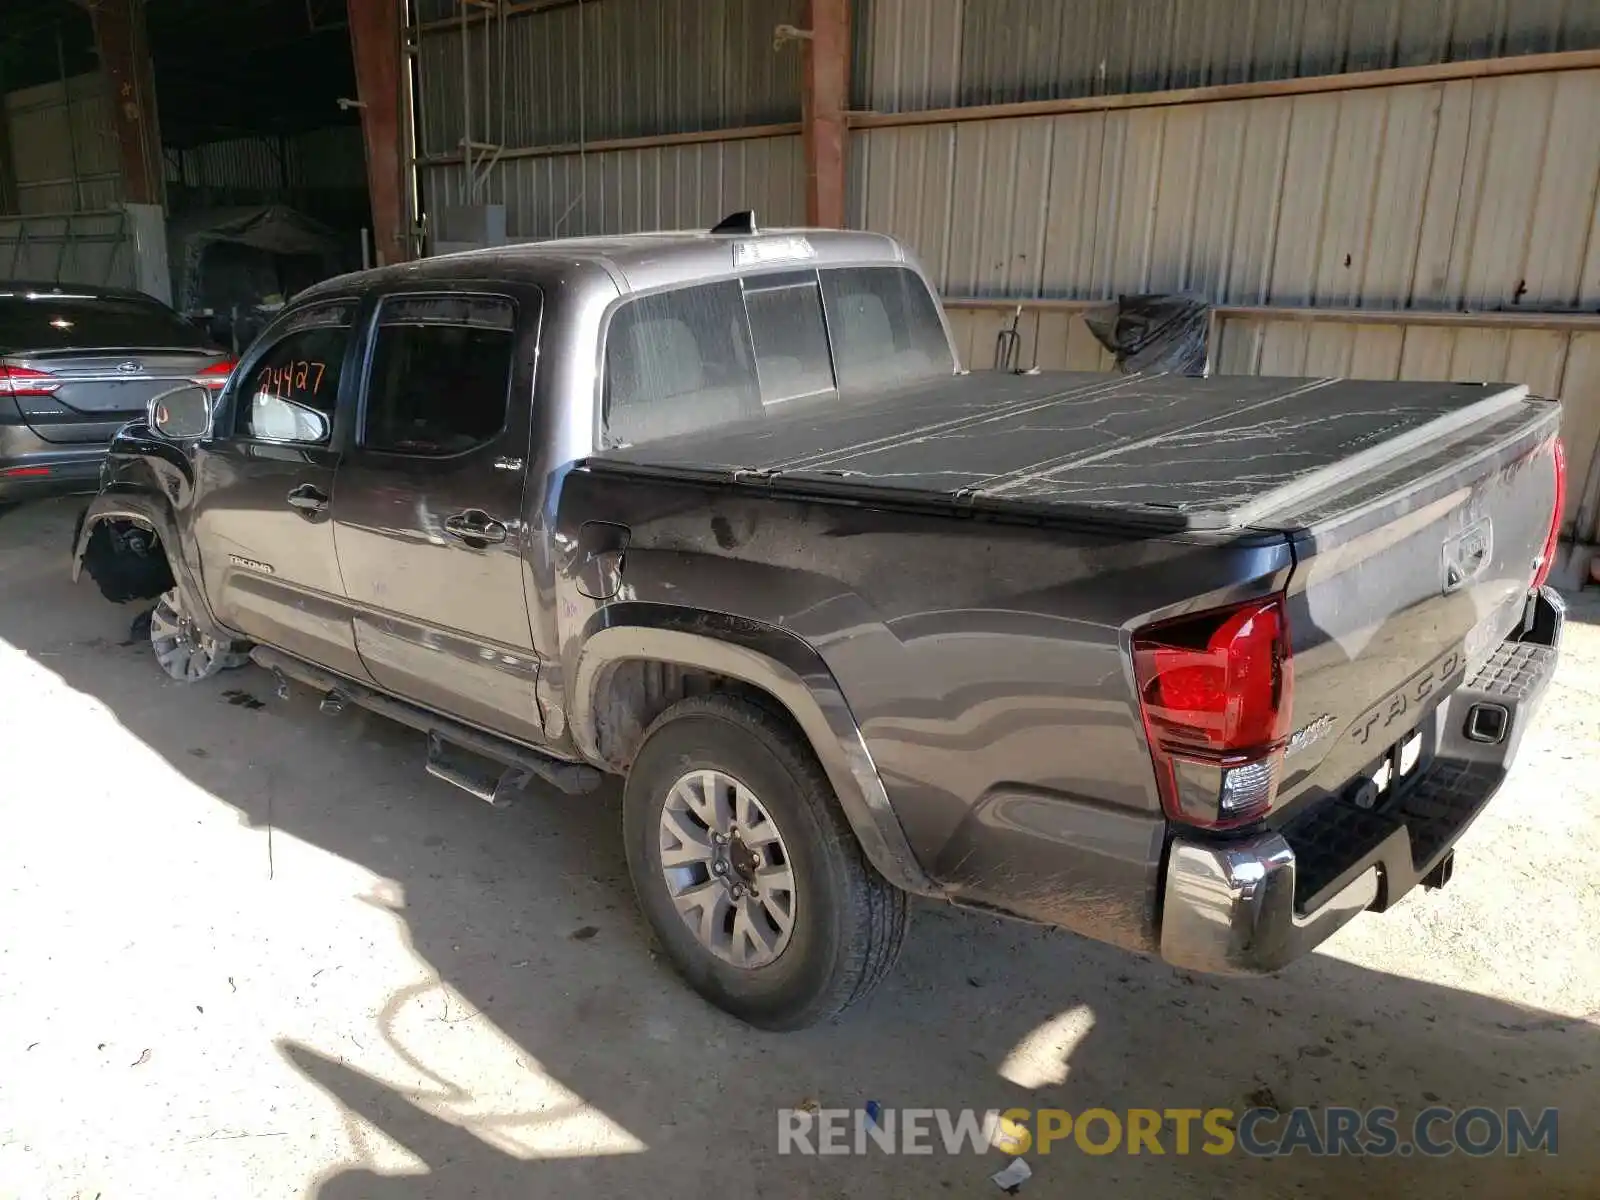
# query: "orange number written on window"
[[297, 379]]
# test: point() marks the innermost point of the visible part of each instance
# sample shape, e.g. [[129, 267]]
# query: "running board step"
[[490, 782], [523, 764]]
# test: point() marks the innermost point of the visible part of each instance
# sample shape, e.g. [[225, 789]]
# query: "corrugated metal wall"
[[332, 157], [608, 69], [68, 226], [1052, 341], [1474, 193], [63, 147], [94, 248], [915, 54], [623, 191]]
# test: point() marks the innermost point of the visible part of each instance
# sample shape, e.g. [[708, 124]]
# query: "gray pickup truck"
[[1202, 667]]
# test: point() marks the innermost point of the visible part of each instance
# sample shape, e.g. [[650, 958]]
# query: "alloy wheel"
[[184, 652], [727, 869]]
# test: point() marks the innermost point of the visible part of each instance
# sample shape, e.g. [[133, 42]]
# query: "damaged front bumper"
[[1251, 906]]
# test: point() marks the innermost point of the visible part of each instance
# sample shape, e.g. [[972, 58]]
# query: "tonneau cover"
[[1178, 452]]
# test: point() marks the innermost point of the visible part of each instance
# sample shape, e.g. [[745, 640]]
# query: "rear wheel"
[[748, 871], [184, 652]]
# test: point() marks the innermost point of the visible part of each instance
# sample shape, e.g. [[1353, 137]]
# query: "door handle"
[[475, 527], [308, 500]]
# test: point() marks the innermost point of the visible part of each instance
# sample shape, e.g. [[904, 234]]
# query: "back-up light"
[[216, 375], [1548, 558], [25, 381], [1215, 691]]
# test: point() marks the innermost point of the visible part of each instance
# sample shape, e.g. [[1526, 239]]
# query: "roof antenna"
[[739, 222]]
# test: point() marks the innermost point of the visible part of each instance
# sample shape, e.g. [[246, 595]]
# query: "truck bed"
[[1170, 452]]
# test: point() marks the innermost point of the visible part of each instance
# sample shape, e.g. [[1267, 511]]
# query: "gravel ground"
[[248, 950]]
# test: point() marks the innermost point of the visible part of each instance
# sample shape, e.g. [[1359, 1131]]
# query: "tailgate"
[[101, 391], [1406, 580]]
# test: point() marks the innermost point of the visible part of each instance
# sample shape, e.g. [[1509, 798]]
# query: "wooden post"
[[376, 45], [824, 107]]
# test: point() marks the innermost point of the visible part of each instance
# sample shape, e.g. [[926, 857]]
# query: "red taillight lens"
[[1547, 560], [25, 381], [216, 375], [1216, 691]]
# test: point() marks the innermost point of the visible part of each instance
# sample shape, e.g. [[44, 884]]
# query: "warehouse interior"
[[253, 949], [1357, 187], [220, 124]]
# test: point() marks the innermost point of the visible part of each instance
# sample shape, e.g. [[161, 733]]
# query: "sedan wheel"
[[184, 652]]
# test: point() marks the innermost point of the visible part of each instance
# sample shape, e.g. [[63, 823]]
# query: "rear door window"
[[885, 328], [441, 374], [68, 321], [678, 362]]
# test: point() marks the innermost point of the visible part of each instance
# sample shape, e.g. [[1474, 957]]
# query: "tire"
[[181, 650], [846, 922]]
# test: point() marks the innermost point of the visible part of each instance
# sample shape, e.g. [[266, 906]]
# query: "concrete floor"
[[247, 950]]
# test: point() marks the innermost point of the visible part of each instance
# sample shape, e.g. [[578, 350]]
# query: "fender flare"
[[786, 668]]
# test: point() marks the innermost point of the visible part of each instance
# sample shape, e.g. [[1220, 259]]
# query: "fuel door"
[[601, 550]]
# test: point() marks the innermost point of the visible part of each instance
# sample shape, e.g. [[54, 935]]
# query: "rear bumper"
[[31, 467], [59, 471], [1252, 906]]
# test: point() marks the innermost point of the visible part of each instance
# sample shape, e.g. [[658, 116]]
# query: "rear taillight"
[[1548, 558], [1215, 691], [25, 381], [216, 375]]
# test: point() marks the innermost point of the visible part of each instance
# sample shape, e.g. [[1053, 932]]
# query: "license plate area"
[[1377, 786]]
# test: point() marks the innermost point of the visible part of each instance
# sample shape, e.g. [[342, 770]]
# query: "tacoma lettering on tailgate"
[[1408, 698]]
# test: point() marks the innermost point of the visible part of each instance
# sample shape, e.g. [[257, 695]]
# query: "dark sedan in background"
[[76, 363]]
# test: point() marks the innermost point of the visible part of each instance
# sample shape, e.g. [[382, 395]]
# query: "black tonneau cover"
[[1172, 451]]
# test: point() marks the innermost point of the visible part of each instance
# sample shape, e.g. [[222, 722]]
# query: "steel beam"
[[121, 41], [824, 109], [376, 44]]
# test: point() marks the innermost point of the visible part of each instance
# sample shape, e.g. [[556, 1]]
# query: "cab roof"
[[637, 261]]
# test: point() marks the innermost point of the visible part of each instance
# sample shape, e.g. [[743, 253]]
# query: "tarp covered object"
[[243, 278], [1155, 334]]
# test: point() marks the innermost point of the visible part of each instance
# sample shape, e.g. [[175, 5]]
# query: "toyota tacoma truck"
[[1201, 667]]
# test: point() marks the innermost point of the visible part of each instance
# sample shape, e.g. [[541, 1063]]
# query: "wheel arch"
[[153, 513], [775, 664]]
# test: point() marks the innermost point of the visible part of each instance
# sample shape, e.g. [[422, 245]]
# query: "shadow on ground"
[[980, 1013]]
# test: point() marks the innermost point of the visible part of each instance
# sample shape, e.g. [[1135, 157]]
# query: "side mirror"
[[183, 414]]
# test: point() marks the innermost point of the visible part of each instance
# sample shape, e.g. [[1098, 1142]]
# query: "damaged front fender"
[[104, 537]]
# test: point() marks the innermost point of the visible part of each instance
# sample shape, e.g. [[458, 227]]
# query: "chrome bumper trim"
[[1229, 907]]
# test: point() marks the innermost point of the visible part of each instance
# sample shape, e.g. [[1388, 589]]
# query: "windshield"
[[39, 321]]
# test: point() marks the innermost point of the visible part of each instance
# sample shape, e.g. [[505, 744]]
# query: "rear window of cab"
[[703, 356]]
